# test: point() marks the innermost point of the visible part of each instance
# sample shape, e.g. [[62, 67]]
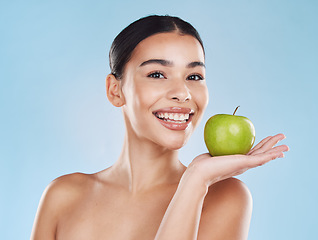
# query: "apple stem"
[[235, 110]]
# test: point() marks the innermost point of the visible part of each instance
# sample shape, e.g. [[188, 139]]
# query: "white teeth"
[[173, 116], [174, 121]]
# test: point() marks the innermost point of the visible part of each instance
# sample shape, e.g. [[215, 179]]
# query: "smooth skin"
[[148, 193]]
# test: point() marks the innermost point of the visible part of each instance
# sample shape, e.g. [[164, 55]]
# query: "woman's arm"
[[45, 222], [182, 218], [59, 195]]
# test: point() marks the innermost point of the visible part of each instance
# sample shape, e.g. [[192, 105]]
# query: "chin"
[[175, 147], [175, 144]]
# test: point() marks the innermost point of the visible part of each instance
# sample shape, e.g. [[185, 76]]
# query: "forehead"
[[171, 46]]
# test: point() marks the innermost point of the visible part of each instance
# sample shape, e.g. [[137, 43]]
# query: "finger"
[[259, 145], [270, 143], [241, 163], [262, 158], [280, 148]]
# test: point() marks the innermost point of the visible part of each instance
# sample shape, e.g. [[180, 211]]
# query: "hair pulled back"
[[127, 40]]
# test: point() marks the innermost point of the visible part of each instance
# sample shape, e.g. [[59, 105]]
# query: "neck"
[[143, 164]]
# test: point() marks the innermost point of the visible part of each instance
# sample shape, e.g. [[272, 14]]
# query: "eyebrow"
[[167, 63], [157, 61], [195, 64]]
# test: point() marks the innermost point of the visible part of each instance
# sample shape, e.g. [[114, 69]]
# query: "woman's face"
[[165, 89]]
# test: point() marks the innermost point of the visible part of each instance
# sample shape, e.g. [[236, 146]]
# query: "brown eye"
[[195, 77], [156, 75]]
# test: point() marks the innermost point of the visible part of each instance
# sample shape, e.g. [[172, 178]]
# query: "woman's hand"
[[187, 203], [208, 170]]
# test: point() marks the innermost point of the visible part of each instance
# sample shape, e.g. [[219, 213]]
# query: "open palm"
[[214, 169]]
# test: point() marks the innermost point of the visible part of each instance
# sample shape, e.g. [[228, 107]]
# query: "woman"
[[158, 79]]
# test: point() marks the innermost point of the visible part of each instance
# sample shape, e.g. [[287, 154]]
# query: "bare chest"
[[114, 215]]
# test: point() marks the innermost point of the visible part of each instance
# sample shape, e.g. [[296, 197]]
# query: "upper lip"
[[175, 110]]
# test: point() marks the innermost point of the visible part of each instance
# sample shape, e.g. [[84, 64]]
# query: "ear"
[[113, 91]]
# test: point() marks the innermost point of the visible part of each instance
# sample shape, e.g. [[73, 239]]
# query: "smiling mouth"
[[173, 117]]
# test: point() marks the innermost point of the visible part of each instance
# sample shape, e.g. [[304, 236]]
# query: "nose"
[[179, 91]]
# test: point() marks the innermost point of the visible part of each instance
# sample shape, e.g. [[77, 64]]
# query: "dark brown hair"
[[127, 40]]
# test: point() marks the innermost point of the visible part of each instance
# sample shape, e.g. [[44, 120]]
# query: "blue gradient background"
[[55, 117]]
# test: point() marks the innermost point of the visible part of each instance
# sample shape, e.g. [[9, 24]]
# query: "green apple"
[[226, 134]]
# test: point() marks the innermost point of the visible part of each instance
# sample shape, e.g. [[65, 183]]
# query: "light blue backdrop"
[[55, 118]]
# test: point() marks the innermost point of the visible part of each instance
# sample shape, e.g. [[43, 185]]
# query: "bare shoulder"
[[58, 196], [70, 183], [229, 190], [226, 211], [66, 189]]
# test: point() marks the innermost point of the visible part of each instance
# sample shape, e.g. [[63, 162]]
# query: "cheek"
[[149, 93], [141, 96], [201, 97], [206, 97]]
